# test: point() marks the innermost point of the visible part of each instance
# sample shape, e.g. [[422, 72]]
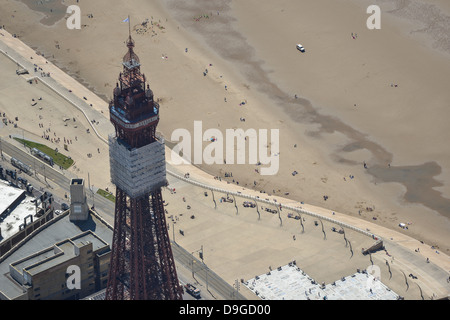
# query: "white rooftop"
[[291, 283], [8, 195], [10, 225]]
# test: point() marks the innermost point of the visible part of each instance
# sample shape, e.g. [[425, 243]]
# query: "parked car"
[[192, 290]]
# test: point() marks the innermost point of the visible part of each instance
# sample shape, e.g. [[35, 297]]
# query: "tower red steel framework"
[[142, 265]]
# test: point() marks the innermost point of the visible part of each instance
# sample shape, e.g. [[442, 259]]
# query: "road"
[[200, 271], [105, 208], [62, 180]]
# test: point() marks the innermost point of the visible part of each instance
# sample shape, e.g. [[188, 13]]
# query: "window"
[[77, 208]]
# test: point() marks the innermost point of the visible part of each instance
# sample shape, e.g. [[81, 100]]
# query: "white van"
[[300, 48]]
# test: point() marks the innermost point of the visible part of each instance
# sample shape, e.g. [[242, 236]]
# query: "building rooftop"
[[21, 207], [8, 195], [40, 248], [291, 283], [77, 181], [58, 254]]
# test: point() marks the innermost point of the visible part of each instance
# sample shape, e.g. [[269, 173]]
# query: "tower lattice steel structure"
[[142, 265]]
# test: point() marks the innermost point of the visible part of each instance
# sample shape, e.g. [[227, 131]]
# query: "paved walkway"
[[93, 107]]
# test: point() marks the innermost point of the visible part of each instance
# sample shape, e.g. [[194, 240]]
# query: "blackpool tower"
[[142, 265]]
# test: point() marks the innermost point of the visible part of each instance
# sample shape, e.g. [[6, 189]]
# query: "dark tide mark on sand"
[[54, 10], [419, 183], [435, 24], [221, 36]]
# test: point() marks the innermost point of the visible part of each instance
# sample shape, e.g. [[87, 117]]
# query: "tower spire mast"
[[129, 26]]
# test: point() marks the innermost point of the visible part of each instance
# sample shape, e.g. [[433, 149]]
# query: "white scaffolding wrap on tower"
[[137, 171]]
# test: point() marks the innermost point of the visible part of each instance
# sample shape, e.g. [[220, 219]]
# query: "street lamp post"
[[93, 197], [173, 231], [206, 270]]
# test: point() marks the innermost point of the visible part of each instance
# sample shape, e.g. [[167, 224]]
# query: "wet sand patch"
[[223, 38], [54, 10]]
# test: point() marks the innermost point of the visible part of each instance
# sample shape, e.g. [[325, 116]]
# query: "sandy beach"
[[379, 98]]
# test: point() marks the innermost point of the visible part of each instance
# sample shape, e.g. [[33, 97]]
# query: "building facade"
[[70, 270]]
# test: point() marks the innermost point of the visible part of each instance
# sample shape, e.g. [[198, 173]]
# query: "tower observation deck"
[[142, 265]]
